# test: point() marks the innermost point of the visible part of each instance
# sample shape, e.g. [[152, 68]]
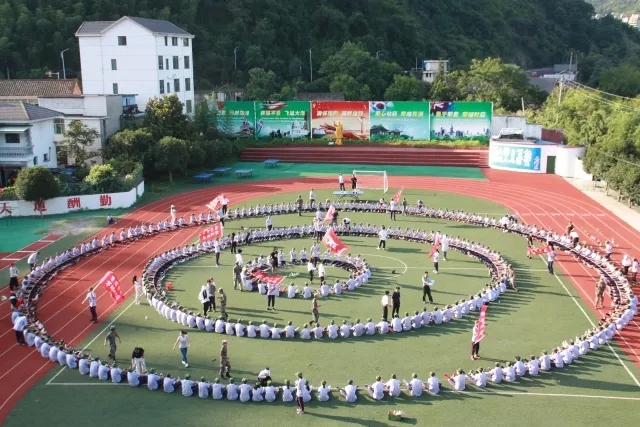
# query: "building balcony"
[[16, 152]]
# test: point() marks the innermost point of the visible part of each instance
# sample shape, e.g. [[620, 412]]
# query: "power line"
[[637, 165], [585, 87], [594, 96]]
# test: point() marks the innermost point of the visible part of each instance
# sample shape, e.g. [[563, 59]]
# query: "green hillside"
[[277, 35]]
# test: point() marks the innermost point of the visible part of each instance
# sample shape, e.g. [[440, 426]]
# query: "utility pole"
[[311, 65], [64, 69], [235, 58]]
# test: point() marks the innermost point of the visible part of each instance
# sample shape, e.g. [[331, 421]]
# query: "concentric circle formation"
[[619, 286]]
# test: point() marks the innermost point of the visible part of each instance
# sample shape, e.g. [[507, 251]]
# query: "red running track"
[[544, 200], [7, 258]]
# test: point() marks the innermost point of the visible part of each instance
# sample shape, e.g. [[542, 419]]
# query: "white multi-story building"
[[432, 67], [137, 56], [26, 138]]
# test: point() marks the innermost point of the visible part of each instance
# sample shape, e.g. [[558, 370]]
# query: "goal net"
[[372, 180]]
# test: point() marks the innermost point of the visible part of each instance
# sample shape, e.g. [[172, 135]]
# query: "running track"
[[64, 315], [7, 258]]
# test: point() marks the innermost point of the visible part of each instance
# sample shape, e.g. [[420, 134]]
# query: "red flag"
[[436, 245], [271, 280], [329, 216], [212, 233], [334, 244], [532, 250], [482, 322], [111, 284], [398, 196], [216, 203]]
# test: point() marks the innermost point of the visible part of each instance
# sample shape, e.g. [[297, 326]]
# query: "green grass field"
[[541, 315]]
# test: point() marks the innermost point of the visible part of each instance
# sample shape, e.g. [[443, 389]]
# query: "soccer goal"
[[372, 180]]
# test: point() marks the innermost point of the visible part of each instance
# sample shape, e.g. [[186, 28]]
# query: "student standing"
[[312, 198], [222, 299], [111, 340], [385, 305], [204, 299], [436, 260], [341, 182], [234, 243], [137, 286], [395, 300], [13, 277], [354, 182], [237, 277], [225, 205], [426, 288], [91, 297], [299, 203], [551, 257], [271, 297], [383, 239], [183, 343], [475, 342], [18, 327], [392, 210], [211, 292]]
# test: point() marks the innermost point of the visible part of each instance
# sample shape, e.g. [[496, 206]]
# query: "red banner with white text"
[[482, 322], [271, 280], [333, 244], [216, 203], [111, 284], [212, 233], [532, 250]]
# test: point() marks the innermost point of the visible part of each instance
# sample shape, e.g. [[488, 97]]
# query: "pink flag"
[[398, 196], [271, 280], [329, 216], [333, 244], [482, 322], [216, 203], [436, 245], [111, 284]]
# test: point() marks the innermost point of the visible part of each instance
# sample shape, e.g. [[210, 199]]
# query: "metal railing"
[[16, 151]]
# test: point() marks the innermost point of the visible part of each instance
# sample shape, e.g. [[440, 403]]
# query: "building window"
[[115, 88], [185, 42], [187, 62], [176, 63], [187, 85], [189, 106], [176, 85], [174, 41], [166, 41], [166, 63], [114, 64], [122, 40], [12, 138], [168, 87], [58, 126], [45, 157], [35, 161], [160, 63], [161, 87]]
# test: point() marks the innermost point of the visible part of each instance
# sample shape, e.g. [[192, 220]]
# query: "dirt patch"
[[76, 226]]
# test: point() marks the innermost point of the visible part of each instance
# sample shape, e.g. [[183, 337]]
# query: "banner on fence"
[[111, 284], [236, 119], [288, 119], [392, 120], [461, 120], [353, 115]]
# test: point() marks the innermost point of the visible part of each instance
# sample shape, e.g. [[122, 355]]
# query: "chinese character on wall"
[[5, 209], [105, 200], [73, 202], [527, 157], [40, 206]]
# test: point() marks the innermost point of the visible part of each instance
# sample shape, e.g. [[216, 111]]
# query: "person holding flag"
[[426, 287], [477, 333]]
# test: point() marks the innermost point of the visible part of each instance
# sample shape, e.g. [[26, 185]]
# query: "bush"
[[36, 184], [9, 193]]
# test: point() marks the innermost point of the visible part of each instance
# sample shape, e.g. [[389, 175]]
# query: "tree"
[[132, 144], [404, 88], [623, 80], [36, 184], [172, 154], [164, 117], [103, 177], [204, 118], [353, 91], [491, 80], [262, 84], [77, 143]]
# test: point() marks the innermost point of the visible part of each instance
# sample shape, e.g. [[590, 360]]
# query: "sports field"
[[546, 311]]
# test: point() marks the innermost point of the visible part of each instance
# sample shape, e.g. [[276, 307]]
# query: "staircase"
[[372, 155]]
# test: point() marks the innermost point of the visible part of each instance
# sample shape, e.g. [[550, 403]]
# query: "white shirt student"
[[270, 393], [323, 392], [393, 387], [377, 390], [433, 384], [245, 392], [152, 381], [216, 390], [350, 393], [415, 387]]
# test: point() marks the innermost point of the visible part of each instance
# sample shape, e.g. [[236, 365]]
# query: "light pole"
[[64, 70], [378, 53], [235, 57], [311, 64]]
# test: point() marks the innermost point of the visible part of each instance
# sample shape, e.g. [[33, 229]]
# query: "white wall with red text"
[[63, 205]]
